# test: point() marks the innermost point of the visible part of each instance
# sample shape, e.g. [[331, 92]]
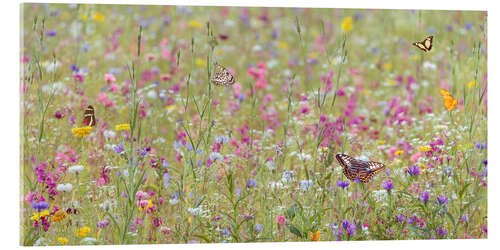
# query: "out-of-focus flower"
[[62, 240], [412, 171], [102, 223], [471, 84], [194, 24], [387, 185], [424, 197], [59, 215], [342, 184], [124, 126], [75, 169], [251, 183], [442, 199], [425, 148], [281, 220], [83, 232], [346, 25], [99, 17]]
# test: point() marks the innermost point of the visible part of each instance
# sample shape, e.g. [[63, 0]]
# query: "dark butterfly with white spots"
[[221, 76], [358, 169], [425, 45], [89, 117]]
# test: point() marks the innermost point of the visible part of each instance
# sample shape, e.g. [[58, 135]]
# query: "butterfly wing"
[[356, 169], [89, 117], [221, 76], [426, 44]]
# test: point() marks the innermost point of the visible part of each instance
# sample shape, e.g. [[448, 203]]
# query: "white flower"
[[64, 187], [75, 169], [109, 134]]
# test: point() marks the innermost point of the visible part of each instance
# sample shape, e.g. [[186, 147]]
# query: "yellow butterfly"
[[425, 45]]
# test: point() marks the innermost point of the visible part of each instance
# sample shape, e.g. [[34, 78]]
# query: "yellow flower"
[[381, 142], [124, 126], [84, 17], [194, 24], [83, 232], [200, 62], [59, 216], [313, 55], [81, 131], [37, 216], [387, 66], [471, 84], [425, 148], [283, 45], [422, 168], [314, 236], [392, 82], [62, 240], [449, 101], [399, 152], [219, 52], [99, 17], [346, 24], [170, 108]]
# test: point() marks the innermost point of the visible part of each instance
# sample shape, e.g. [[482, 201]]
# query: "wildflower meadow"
[[126, 138]]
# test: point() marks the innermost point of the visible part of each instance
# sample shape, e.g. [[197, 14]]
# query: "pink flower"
[[261, 83], [415, 157], [281, 220], [114, 88], [109, 78], [78, 77], [165, 77], [141, 195]]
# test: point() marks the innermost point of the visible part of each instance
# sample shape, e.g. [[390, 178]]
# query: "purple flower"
[[349, 227], [42, 205], [442, 199], [103, 223], [449, 28], [51, 33], [400, 218], [119, 149], [442, 231], [468, 26], [425, 196], [387, 185], [166, 179], [74, 68], [465, 218], [412, 171], [251, 183], [485, 161], [480, 145], [342, 184], [411, 220]]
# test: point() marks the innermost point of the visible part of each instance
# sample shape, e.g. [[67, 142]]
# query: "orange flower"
[[449, 101]]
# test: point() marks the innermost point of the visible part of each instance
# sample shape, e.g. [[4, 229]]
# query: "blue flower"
[[166, 179], [343, 184], [480, 145], [119, 149], [258, 227], [400, 218], [51, 33], [306, 184], [251, 183]]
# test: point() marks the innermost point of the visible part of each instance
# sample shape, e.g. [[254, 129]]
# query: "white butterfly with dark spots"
[[358, 169], [221, 76]]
